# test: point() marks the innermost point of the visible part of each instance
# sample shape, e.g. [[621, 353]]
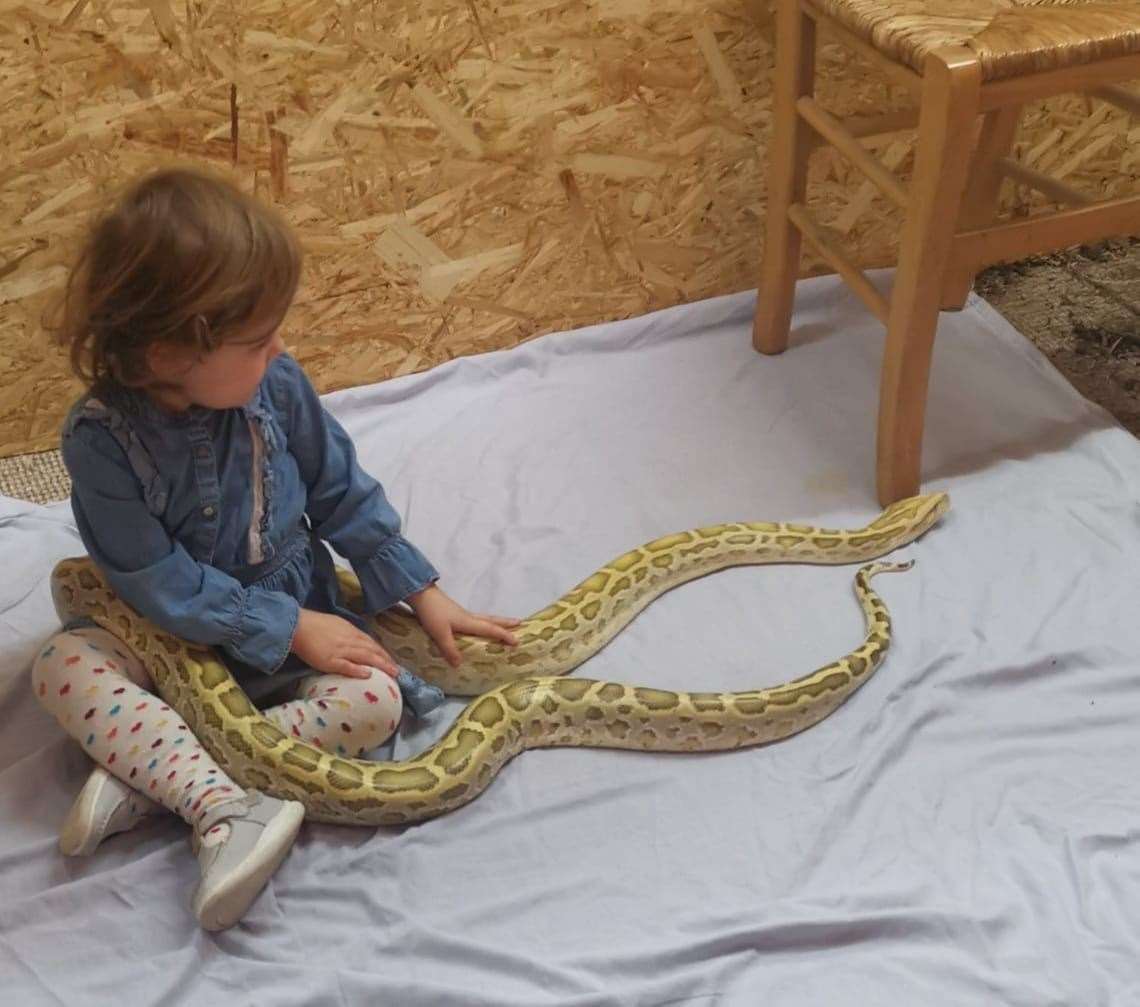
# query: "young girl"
[[205, 476]]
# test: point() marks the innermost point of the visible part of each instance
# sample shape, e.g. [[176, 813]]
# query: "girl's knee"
[[373, 714], [355, 715], [60, 652], [81, 650], [53, 660]]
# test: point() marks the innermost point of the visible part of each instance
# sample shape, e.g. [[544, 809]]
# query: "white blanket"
[[966, 829]]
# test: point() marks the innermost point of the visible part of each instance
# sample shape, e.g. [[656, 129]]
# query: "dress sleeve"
[[348, 508]]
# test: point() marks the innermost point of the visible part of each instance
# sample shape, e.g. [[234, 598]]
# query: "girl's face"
[[224, 378]]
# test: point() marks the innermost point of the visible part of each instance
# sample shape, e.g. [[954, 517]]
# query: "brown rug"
[[40, 478]]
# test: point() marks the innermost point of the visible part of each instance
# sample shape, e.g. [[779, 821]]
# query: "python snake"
[[522, 700]]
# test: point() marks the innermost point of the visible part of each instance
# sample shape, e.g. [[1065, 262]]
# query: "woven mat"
[[40, 478]]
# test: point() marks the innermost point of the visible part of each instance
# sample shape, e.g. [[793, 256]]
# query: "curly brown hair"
[[181, 257]]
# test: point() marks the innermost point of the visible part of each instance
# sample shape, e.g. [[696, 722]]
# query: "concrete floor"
[[1082, 310]]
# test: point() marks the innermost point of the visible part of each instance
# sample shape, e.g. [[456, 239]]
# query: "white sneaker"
[[234, 871], [104, 806]]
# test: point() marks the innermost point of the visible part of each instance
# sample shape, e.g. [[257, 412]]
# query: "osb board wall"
[[464, 174]]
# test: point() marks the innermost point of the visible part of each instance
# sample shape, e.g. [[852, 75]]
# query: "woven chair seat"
[[1010, 37]]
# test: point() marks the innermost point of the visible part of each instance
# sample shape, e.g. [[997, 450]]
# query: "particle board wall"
[[464, 175]]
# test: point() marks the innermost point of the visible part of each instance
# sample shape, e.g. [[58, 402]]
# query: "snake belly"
[[522, 699]]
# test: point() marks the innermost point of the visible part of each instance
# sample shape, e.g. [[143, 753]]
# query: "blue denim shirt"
[[210, 522]]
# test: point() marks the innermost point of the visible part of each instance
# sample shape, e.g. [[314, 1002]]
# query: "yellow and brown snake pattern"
[[522, 701]]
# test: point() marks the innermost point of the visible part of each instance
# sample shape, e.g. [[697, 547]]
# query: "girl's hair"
[[182, 257]]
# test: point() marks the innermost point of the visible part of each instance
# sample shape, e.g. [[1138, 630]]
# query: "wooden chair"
[[970, 65]]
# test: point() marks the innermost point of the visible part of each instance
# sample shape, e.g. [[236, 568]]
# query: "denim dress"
[[212, 523]]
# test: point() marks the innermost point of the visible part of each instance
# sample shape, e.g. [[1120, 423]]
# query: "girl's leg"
[[100, 693], [348, 716]]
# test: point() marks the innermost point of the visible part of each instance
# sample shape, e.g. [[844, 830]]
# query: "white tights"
[[104, 697]]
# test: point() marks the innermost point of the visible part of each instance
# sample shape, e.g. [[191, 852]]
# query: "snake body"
[[522, 701]]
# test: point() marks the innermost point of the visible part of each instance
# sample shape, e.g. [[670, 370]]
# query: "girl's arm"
[[349, 509], [347, 506]]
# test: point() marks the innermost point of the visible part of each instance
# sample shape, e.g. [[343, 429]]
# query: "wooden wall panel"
[[464, 175]]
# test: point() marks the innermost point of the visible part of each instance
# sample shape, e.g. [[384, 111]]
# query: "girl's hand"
[[335, 646], [442, 618]]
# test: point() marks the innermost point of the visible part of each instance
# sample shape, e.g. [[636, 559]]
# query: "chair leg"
[[979, 205], [950, 93], [787, 177]]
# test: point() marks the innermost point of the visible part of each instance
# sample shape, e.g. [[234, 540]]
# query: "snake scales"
[[522, 702]]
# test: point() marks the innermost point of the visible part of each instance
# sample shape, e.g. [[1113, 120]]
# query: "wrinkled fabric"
[[964, 830], [210, 522]]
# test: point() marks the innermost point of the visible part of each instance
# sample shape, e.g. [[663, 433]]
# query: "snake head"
[[919, 512], [929, 507], [933, 506]]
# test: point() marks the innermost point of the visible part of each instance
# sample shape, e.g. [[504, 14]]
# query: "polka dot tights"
[[103, 697]]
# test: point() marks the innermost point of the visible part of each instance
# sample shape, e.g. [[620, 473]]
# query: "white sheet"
[[965, 830]]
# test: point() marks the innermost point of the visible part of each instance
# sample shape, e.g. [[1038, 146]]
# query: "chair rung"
[[1047, 233], [874, 125], [834, 257], [831, 129], [1051, 187]]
